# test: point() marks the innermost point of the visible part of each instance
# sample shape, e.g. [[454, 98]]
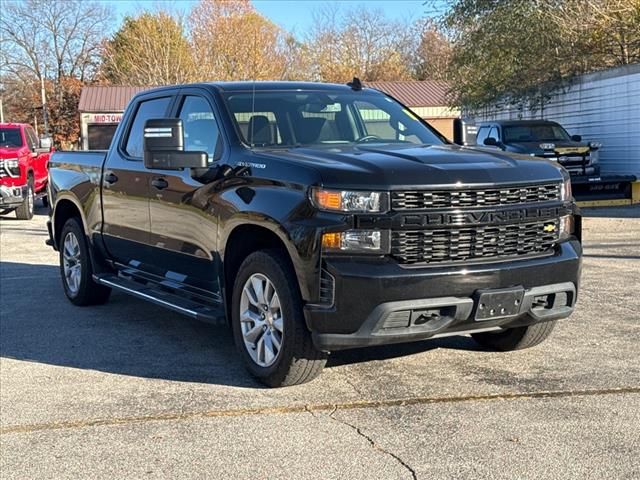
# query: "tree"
[[522, 51], [232, 41], [150, 49], [54, 41], [363, 43], [433, 54]]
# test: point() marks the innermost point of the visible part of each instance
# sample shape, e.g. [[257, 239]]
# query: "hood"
[[10, 152], [534, 147], [391, 167]]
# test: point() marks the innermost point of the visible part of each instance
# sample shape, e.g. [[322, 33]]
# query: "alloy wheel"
[[71, 262], [261, 320]]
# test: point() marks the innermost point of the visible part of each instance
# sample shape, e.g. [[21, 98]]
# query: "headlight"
[[357, 241], [567, 227], [565, 190], [11, 166], [595, 145], [350, 201], [548, 146]]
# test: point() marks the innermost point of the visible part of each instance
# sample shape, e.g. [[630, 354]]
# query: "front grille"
[[427, 199], [474, 243]]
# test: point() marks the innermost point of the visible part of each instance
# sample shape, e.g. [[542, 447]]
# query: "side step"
[[205, 313]]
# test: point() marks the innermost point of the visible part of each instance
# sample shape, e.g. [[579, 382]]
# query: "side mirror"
[[576, 138], [491, 142], [163, 145], [46, 143]]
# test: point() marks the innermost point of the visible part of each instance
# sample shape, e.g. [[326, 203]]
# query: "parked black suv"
[[315, 217], [542, 138]]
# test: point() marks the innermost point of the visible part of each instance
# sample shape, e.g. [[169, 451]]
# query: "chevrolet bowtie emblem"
[[550, 227]]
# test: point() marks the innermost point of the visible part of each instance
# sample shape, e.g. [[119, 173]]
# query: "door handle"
[[160, 183], [110, 178]]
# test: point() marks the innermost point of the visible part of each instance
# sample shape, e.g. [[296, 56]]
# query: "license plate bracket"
[[499, 303]]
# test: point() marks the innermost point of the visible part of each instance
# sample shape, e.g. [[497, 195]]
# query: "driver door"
[[183, 227]]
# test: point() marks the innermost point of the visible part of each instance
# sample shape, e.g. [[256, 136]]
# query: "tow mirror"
[[576, 138], [46, 143], [491, 142], [163, 145], [44, 146]]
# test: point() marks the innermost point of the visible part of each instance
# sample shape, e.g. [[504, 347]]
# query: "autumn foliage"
[[485, 49]]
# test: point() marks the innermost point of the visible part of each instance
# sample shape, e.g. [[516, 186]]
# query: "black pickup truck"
[[313, 218], [545, 139]]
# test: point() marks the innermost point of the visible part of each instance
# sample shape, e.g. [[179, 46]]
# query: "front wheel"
[[515, 338], [76, 269], [25, 210], [268, 323]]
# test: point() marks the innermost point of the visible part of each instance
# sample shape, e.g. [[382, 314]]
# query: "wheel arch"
[[66, 208], [246, 238]]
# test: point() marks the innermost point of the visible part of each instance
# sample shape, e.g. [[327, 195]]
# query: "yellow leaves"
[[232, 41]]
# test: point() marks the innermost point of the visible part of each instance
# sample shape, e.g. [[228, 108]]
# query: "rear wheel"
[[515, 338], [25, 210], [76, 269], [268, 324]]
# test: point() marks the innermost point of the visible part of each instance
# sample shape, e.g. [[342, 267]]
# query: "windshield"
[[535, 133], [293, 118], [10, 137]]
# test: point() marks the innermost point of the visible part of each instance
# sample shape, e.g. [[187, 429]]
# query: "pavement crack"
[[183, 415], [352, 385], [374, 444]]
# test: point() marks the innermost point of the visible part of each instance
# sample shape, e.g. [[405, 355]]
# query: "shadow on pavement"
[[127, 336], [628, 211], [38, 209]]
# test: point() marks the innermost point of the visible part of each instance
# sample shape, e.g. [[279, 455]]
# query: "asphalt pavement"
[[129, 390]]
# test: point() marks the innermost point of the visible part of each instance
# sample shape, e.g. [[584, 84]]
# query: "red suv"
[[23, 168]]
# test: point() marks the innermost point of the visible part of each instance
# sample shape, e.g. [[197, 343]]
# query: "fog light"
[[357, 241]]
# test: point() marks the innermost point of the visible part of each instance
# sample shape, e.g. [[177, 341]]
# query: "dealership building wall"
[[101, 109], [602, 106]]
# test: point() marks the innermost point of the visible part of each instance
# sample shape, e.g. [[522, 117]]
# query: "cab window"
[[201, 133], [154, 108], [483, 133]]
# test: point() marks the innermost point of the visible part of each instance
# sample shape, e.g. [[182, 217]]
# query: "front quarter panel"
[[267, 199]]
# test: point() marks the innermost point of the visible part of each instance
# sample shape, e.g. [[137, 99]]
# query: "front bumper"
[[377, 304], [12, 197]]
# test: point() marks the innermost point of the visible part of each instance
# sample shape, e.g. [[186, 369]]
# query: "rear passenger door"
[[125, 186], [183, 227]]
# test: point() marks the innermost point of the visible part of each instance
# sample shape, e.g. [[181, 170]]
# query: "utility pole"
[[44, 107]]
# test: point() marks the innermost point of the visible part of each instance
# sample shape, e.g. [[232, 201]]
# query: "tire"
[[515, 338], [75, 267], [296, 360], [25, 210]]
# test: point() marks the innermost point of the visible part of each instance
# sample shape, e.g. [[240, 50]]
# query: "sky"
[[293, 15]]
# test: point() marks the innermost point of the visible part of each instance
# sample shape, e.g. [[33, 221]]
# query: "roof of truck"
[[513, 123]]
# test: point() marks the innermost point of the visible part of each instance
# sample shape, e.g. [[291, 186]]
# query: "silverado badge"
[[549, 227]]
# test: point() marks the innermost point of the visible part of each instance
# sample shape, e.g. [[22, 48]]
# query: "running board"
[[209, 314]]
